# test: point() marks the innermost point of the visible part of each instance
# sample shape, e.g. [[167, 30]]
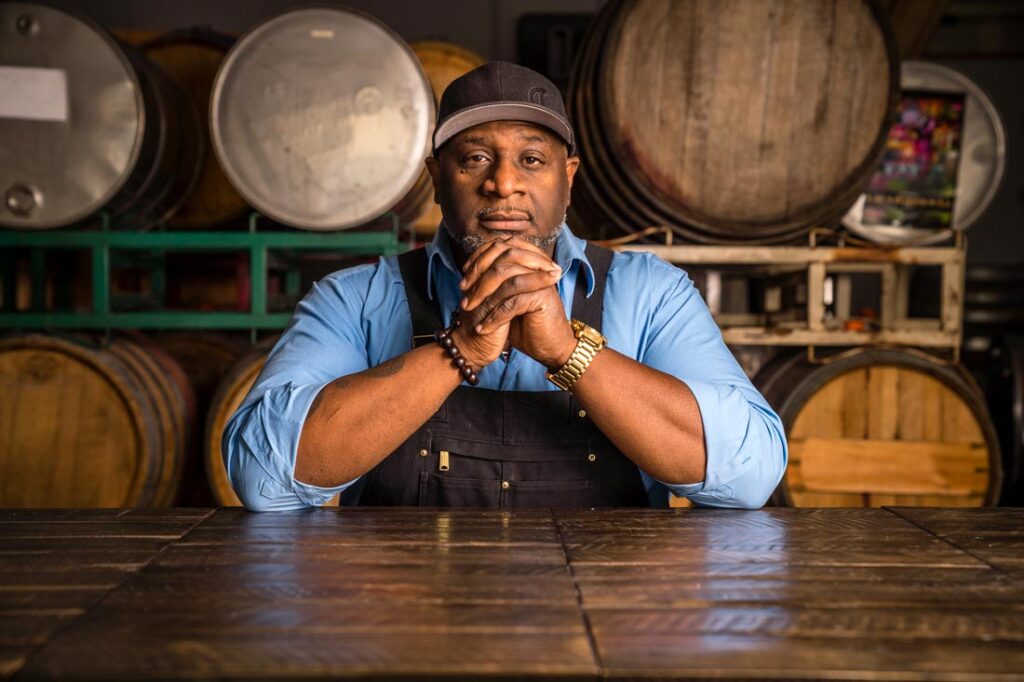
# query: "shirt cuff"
[[723, 413], [280, 417]]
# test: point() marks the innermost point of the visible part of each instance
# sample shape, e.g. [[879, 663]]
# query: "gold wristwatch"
[[589, 342]]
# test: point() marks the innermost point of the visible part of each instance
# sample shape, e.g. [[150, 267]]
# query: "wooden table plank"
[[310, 655], [782, 593], [187, 516], [993, 535], [660, 572], [712, 591], [56, 564], [385, 591], [675, 657], [461, 594], [244, 618], [987, 624]]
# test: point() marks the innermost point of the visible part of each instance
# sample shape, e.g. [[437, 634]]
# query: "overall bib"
[[505, 449]]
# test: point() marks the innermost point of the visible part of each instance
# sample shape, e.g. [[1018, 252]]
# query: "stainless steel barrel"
[[87, 125], [321, 118]]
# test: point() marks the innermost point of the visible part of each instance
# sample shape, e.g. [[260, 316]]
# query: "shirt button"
[[424, 453], [592, 457], [582, 413], [504, 485]]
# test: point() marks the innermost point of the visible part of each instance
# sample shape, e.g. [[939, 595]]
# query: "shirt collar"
[[569, 249]]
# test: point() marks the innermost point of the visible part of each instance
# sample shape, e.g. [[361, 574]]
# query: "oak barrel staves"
[[747, 122], [882, 427], [84, 426]]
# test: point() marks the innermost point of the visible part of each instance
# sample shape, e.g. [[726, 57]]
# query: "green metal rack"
[[102, 242]]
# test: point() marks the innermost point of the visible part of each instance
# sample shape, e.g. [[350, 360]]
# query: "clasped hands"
[[510, 298]]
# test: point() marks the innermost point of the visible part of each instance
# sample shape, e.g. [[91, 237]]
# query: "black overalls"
[[505, 449]]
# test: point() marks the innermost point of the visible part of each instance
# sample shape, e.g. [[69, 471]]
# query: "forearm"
[[652, 417], [358, 420]]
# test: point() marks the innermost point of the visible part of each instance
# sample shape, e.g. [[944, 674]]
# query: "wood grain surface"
[[882, 428], [767, 119], [893, 593]]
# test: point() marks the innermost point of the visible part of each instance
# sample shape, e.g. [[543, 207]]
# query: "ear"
[[572, 164], [434, 168]]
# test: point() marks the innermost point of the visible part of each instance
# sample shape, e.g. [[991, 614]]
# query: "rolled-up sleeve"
[[744, 438], [325, 340]]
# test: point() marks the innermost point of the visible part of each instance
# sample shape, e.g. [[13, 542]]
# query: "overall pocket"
[[441, 490], [549, 495]]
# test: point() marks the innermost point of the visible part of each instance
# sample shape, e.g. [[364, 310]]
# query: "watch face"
[[584, 331]]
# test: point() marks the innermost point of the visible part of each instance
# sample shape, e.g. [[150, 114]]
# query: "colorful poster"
[[915, 184]]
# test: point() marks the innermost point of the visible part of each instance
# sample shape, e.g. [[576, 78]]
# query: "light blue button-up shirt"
[[358, 318]]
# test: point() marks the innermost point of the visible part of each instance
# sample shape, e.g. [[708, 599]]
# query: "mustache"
[[485, 212]]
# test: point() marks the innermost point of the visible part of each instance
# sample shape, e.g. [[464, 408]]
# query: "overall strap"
[[426, 317], [590, 310]]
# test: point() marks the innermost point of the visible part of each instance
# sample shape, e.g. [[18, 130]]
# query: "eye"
[[531, 160], [474, 159]]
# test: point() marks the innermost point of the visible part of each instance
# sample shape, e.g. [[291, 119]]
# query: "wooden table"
[[421, 594]]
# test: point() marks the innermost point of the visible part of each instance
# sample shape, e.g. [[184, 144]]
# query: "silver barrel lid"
[[71, 116], [981, 163], [321, 118]]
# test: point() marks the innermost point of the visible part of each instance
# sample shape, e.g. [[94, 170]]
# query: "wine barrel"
[[321, 118], [193, 56], [993, 304], [976, 156], [85, 425], [730, 122], [442, 62], [230, 394], [882, 427], [411, 208], [1005, 393], [205, 357], [173, 401], [87, 124]]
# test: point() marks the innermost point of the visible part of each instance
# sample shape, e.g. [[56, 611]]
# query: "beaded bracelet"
[[444, 337]]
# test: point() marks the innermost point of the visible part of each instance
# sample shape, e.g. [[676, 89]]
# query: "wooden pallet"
[[893, 265]]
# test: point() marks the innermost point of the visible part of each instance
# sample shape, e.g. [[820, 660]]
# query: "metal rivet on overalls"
[[504, 485], [592, 457], [582, 413], [424, 453]]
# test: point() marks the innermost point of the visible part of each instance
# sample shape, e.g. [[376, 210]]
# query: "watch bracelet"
[[577, 363]]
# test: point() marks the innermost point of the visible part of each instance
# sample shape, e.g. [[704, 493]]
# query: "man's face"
[[500, 179]]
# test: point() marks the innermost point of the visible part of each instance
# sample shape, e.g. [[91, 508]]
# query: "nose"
[[505, 178]]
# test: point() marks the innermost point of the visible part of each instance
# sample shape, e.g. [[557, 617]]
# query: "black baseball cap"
[[501, 91]]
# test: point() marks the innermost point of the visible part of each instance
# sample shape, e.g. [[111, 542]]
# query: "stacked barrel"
[[725, 123], [187, 130], [753, 123], [731, 122]]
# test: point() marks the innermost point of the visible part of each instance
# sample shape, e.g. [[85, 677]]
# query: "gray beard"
[[472, 242]]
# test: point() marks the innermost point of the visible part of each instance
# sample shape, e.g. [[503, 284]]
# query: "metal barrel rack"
[[103, 243]]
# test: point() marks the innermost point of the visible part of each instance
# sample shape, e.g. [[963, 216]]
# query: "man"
[[602, 379]]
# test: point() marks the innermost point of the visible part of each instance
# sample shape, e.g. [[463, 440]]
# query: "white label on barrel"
[[34, 94]]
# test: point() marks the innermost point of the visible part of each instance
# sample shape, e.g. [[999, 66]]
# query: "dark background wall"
[[982, 38], [985, 40]]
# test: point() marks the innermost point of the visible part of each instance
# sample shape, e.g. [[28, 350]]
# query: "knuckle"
[[508, 305]]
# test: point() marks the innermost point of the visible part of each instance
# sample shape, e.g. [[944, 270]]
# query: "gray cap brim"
[[503, 111]]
